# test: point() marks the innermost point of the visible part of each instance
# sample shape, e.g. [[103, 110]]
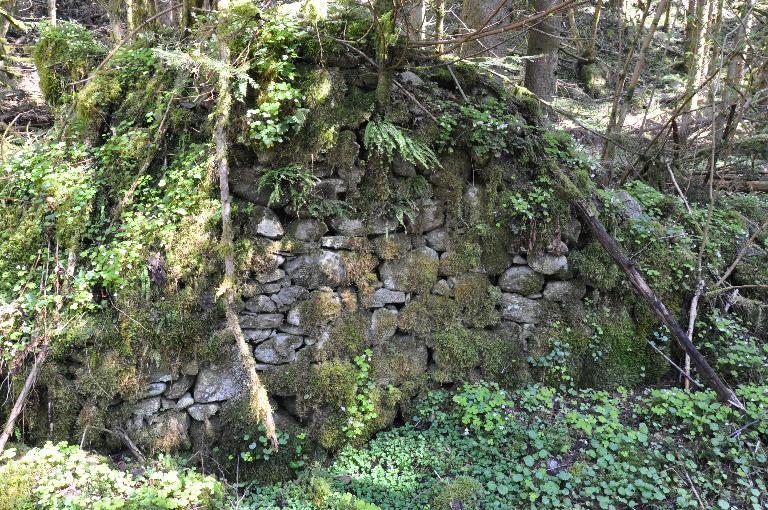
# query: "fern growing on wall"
[[385, 138]]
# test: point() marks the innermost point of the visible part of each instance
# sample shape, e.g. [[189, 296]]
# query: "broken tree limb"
[[259, 401], [22, 398], [587, 211]]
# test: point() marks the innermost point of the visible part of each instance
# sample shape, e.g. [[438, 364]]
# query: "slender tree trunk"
[[609, 147], [259, 402], [439, 22], [591, 44], [52, 11], [417, 18], [638, 69], [543, 42], [385, 27], [696, 58], [733, 101]]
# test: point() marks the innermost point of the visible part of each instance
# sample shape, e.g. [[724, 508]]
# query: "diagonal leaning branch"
[[259, 401], [585, 208]]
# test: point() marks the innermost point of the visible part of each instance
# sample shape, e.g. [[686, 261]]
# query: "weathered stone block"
[[520, 309], [260, 321], [546, 263], [521, 280], [572, 290]]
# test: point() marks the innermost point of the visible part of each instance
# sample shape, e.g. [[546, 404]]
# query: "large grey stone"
[[442, 288], [160, 374], [260, 304], [201, 412], [242, 184], [146, 407], [632, 208], [154, 389], [179, 387], [288, 296], [546, 263], [257, 335], [520, 309], [221, 380], [383, 325], [383, 297], [309, 230], [279, 349], [270, 276], [348, 227], [168, 430], [521, 280], [571, 231], [439, 239], [345, 243], [402, 167], [265, 222], [415, 271], [317, 270], [572, 290], [410, 78], [261, 320], [185, 401], [429, 216], [330, 188]]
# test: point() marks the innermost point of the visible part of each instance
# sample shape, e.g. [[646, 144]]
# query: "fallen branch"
[[18, 406], [259, 401], [586, 209]]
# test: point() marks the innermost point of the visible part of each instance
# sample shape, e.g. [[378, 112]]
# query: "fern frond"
[[385, 138]]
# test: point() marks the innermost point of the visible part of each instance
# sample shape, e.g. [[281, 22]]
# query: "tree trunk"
[[543, 42], [439, 22], [259, 402], [478, 14], [52, 11], [586, 210], [697, 58], [639, 65], [609, 146]]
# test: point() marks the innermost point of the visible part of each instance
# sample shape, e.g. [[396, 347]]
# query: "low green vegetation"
[[478, 447]]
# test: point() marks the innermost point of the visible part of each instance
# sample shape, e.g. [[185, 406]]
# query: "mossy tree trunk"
[[543, 44], [259, 402], [384, 13]]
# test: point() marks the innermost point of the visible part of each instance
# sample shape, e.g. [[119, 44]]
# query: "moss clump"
[[64, 55], [322, 307], [347, 337], [333, 383], [428, 313], [417, 271], [391, 247], [466, 255], [592, 79], [503, 358], [357, 267], [455, 354], [595, 267], [400, 361], [457, 493], [477, 300], [616, 353]]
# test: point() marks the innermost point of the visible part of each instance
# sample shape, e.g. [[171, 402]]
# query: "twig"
[[675, 365], [458, 85], [400, 85]]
